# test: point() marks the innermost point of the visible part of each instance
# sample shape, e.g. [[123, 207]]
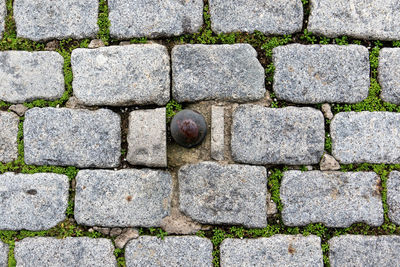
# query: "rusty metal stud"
[[188, 128]]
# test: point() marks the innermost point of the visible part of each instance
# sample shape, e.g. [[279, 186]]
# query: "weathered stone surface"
[[60, 19], [152, 18], [268, 17], [52, 45], [310, 74], [359, 250], [278, 250], [289, 135], [372, 137], [373, 19], [170, 251], [3, 13], [115, 231], [217, 133], [389, 74], [216, 72], [327, 110], [96, 43], [103, 230], [8, 136], [177, 223], [71, 251], [32, 201], [336, 199], [125, 198], [3, 254], [393, 196], [27, 76], [122, 75], [147, 138], [18, 109], [68, 137], [126, 235], [329, 163], [224, 194]]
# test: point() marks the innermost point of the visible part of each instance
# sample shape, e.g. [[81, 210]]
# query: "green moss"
[[172, 108], [309, 37], [274, 182], [120, 256], [103, 22]]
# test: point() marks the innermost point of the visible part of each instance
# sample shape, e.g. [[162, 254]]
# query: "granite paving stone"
[[216, 72], [373, 19], [41, 20], [268, 17], [336, 199], [3, 254], [170, 251], [371, 137], [122, 75], [393, 197], [8, 136], [278, 250], [217, 133], [154, 18], [69, 137], [147, 138], [3, 13], [125, 198], [27, 76], [310, 74], [32, 201], [68, 252], [389, 74], [212, 193], [358, 250], [290, 135]]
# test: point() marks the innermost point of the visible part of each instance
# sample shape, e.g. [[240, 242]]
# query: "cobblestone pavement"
[[300, 165]]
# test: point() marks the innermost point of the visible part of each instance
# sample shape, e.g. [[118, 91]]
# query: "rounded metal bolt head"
[[188, 128]]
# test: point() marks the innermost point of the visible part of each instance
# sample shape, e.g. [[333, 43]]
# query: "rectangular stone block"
[[335, 199], [268, 17], [372, 19], [41, 20], [216, 72], [278, 250], [71, 251], [371, 137], [170, 251], [310, 74], [125, 198], [389, 74], [69, 137], [27, 76], [3, 254], [358, 250], [147, 138], [32, 201], [8, 136], [224, 194], [154, 18], [393, 196], [289, 135], [122, 75], [217, 133], [3, 13]]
